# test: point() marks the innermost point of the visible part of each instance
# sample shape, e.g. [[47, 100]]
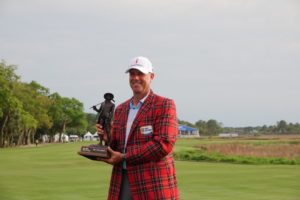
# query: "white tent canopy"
[[88, 136], [73, 138], [45, 138], [95, 136], [64, 137]]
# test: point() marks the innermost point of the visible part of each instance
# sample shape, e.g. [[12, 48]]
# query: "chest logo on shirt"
[[146, 130]]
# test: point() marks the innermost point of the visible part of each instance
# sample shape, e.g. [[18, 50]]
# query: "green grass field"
[[56, 172]]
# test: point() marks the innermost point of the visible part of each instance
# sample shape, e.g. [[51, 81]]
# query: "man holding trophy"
[[143, 135]]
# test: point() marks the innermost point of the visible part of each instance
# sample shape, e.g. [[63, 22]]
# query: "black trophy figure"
[[106, 114]]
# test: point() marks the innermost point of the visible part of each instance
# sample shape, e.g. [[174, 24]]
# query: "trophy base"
[[93, 152]]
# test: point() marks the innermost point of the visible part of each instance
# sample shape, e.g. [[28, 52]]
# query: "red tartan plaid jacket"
[[149, 160]]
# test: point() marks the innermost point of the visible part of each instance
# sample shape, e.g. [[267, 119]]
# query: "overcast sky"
[[236, 61]]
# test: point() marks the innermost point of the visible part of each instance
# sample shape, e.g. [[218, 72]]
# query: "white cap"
[[140, 63]]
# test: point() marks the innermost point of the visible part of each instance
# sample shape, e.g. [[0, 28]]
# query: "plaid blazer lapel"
[[123, 119], [141, 113]]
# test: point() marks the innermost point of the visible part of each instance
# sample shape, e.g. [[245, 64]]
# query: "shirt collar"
[[132, 106]]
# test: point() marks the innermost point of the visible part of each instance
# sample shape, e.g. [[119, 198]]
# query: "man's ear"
[[152, 76]]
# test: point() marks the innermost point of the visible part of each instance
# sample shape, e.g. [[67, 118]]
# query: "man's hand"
[[101, 132], [115, 157]]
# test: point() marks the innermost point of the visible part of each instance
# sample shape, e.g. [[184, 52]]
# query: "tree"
[[28, 108], [27, 127], [293, 128], [186, 123], [65, 113], [213, 127], [35, 102], [281, 126], [10, 106], [91, 119], [202, 127]]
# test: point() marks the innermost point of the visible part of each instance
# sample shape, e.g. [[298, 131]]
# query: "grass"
[[57, 172], [290, 151], [284, 150], [51, 172], [219, 181]]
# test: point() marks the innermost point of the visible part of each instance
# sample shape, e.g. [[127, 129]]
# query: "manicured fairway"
[[56, 172]]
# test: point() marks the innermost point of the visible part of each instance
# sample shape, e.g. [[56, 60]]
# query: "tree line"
[[281, 127], [28, 110], [213, 127]]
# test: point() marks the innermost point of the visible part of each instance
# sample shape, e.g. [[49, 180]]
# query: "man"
[[144, 133]]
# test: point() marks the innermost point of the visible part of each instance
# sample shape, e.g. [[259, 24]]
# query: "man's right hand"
[[101, 132], [115, 158]]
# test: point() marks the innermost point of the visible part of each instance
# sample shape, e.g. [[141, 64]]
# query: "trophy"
[[106, 113]]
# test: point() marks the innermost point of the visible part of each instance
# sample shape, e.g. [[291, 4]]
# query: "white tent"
[[73, 138], [88, 137], [64, 137], [45, 138], [96, 137]]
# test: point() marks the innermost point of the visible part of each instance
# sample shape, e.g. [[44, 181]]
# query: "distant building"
[[228, 135], [187, 131]]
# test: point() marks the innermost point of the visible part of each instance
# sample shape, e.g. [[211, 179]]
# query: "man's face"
[[140, 82]]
